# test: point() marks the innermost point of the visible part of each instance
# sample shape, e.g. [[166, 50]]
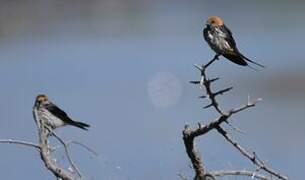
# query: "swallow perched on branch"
[[52, 116], [221, 40]]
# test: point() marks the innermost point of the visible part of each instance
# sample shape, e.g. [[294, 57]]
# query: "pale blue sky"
[[124, 67]]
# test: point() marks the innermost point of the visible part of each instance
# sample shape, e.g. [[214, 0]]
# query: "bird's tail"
[[236, 58], [249, 60], [81, 125]]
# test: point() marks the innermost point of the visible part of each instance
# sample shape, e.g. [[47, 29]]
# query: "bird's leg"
[[216, 57]]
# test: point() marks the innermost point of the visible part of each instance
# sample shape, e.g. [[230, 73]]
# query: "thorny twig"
[[190, 134]]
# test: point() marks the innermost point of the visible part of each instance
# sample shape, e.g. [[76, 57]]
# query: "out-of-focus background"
[[123, 66]]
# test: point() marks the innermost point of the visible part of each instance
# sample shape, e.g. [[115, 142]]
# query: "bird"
[[52, 116], [220, 39]]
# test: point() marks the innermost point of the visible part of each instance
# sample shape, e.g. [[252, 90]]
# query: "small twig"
[[84, 146], [240, 173], [252, 157], [20, 142], [221, 92], [65, 145], [195, 82], [68, 143], [216, 57], [243, 107], [214, 79], [182, 176], [235, 128], [207, 106]]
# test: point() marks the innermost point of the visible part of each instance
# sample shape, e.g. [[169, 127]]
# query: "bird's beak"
[[207, 25]]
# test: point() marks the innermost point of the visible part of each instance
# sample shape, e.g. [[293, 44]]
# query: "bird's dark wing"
[[205, 33], [56, 111], [229, 36], [232, 53], [235, 55]]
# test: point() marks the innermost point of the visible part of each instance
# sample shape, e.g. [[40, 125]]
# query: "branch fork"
[[45, 150], [190, 134]]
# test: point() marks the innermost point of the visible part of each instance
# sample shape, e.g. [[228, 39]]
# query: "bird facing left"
[[53, 116]]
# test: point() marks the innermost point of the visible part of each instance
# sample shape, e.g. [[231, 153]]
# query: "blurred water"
[[101, 62]]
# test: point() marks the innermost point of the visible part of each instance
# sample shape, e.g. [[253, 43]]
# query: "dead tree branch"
[[251, 174], [44, 133], [45, 150], [251, 156], [19, 142], [65, 145], [69, 143], [190, 134], [45, 154]]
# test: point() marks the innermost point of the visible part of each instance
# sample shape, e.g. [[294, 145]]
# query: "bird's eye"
[[212, 22]]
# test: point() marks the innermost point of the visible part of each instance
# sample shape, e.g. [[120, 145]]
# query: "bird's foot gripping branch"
[[262, 171]]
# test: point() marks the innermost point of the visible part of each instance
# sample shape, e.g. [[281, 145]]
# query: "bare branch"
[[190, 134], [193, 154], [246, 106], [205, 83], [195, 82], [221, 92], [251, 156], [84, 146], [45, 153], [47, 159], [212, 80], [181, 176], [207, 106], [251, 174], [202, 97], [69, 143], [19, 142], [65, 145]]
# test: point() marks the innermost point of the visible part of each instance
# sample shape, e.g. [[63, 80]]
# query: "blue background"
[[123, 66]]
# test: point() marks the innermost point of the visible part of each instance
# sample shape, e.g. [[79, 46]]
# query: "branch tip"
[[208, 106], [202, 97], [200, 68], [221, 92], [194, 82], [214, 79]]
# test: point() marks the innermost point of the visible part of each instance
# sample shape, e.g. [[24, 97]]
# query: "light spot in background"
[[164, 89]]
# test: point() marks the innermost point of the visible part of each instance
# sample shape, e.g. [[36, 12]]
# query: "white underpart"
[[217, 38], [48, 118]]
